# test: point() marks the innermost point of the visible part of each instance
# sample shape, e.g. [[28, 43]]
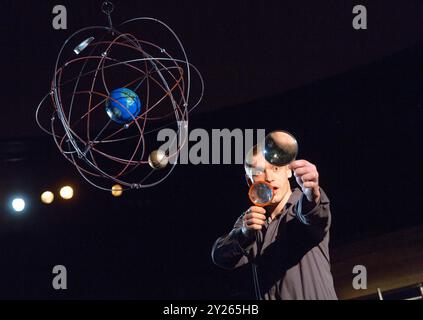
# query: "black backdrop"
[[361, 128]]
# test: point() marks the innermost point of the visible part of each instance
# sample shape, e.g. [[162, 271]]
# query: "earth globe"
[[123, 105]]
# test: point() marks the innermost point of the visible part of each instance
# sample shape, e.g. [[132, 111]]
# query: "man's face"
[[261, 170]]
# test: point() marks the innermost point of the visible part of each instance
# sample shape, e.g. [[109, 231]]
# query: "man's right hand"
[[254, 218]]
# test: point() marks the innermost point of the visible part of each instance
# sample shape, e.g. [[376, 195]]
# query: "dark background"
[[352, 98]]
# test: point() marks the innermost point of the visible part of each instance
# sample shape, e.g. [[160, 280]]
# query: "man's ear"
[[248, 180], [289, 172]]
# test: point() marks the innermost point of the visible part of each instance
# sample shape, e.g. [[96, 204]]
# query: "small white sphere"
[[18, 204]]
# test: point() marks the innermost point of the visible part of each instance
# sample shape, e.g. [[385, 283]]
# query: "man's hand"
[[308, 179], [254, 218]]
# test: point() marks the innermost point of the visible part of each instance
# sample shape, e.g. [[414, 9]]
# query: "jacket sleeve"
[[318, 218], [232, 250]]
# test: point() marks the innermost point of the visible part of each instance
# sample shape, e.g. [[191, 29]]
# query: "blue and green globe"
[[123, 105]]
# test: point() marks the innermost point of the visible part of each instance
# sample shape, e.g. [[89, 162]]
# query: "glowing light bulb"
[[66, 192], [47, 197], [18, 204]]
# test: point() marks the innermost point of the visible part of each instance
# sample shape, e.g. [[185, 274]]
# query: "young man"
[[287, 242]]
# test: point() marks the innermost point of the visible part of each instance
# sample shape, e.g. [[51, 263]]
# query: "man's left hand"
[[307, 177]]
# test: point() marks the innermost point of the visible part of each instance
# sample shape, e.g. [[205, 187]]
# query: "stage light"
[[47, 197], [18, 204], [117, 190], [66, 192]]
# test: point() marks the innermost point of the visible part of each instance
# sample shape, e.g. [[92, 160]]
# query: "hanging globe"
[[123, 105]]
